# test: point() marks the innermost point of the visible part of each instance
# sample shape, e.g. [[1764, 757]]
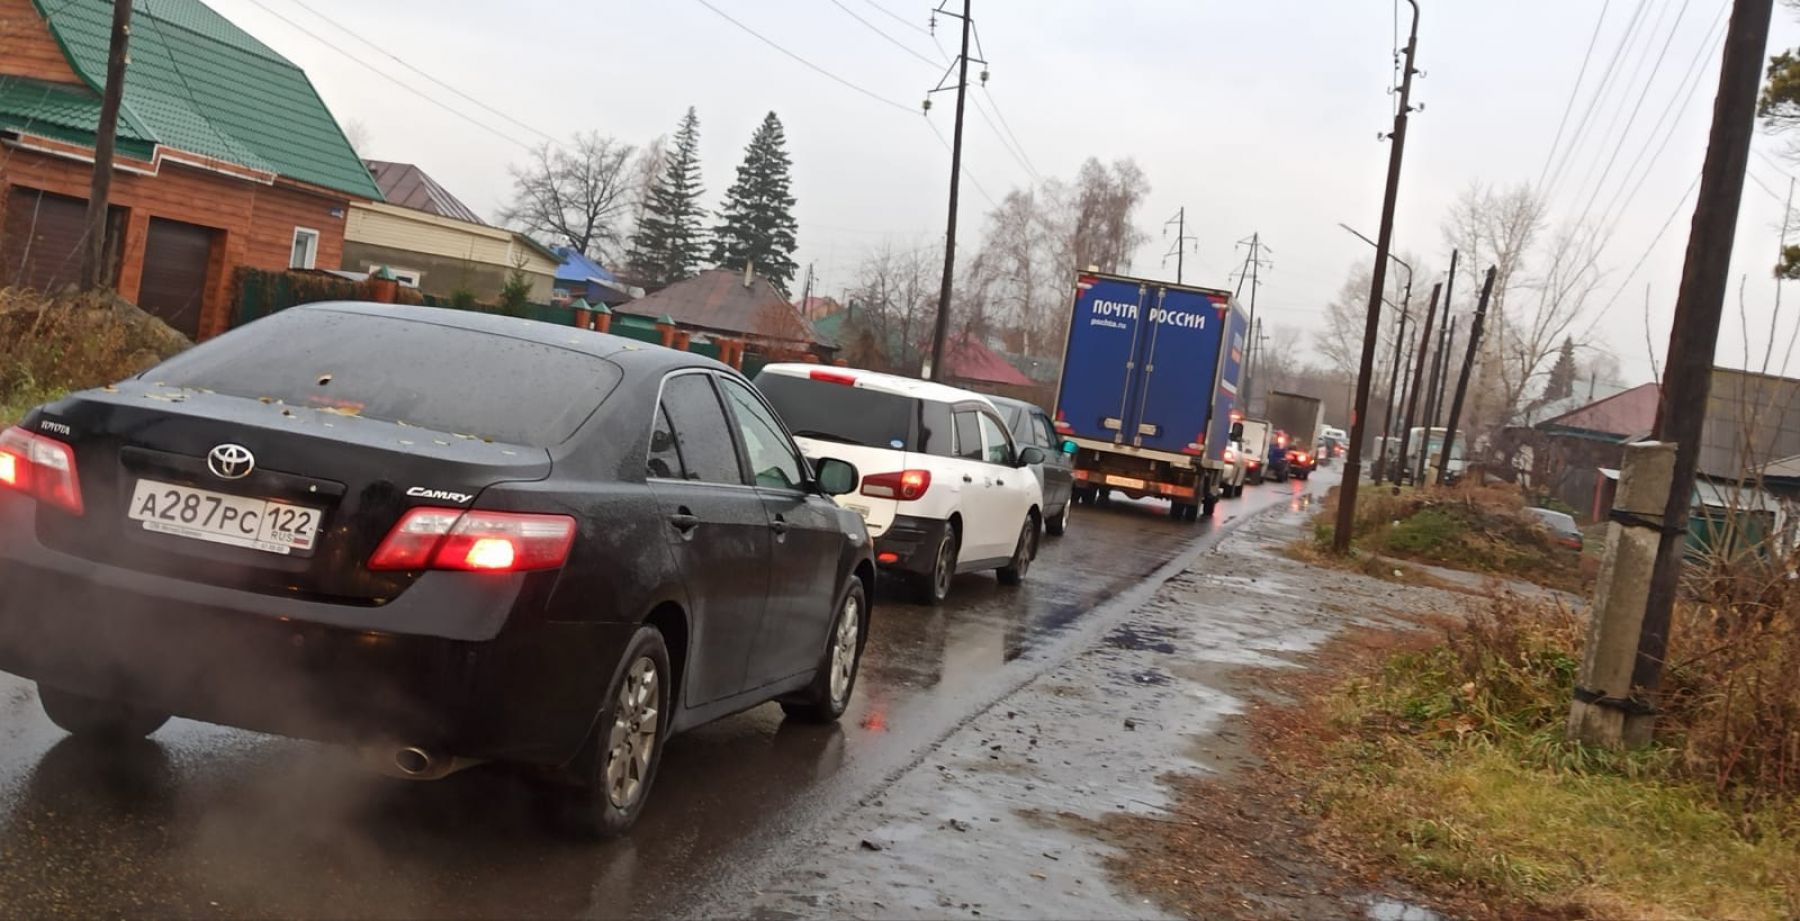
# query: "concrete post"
[[1604, 696]]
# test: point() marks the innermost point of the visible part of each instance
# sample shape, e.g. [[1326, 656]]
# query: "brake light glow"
[[833, 377], [1230, 456], [476, 540], [904, 486], [40, 467]]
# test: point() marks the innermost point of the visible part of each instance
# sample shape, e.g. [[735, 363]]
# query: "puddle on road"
[[1144, 638], [1385, 909]]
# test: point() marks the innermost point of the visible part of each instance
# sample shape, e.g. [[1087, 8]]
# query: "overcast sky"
[[1255, 116]]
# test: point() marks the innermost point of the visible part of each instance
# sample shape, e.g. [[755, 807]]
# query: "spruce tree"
[[1561, 382], [670, 241], [757, 222]]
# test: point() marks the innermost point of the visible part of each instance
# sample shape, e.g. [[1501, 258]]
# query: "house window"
[[408, 278], [306, 249]]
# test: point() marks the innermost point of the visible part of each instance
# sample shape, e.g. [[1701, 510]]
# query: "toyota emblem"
[[230, 462]]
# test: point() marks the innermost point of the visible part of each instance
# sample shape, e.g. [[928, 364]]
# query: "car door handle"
[[684, 521], [779, 525]]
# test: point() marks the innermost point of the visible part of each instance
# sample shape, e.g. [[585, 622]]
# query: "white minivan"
[[944, 489]]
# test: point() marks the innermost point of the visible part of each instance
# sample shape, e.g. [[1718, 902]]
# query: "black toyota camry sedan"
[[441, 537]]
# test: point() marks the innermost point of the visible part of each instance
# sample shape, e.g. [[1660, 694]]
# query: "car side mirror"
[[1032, 454], [1237, 431], [835, 477], [1068, 447]]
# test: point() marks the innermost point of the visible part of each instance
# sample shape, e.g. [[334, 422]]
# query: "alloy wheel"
[[843, 649], [636, 720], [945, 569]]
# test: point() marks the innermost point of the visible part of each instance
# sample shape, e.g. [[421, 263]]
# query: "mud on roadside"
[[1127, 781]]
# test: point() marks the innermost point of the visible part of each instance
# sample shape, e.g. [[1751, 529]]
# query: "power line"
[[1646, 255], [1029, 166], [1625, 133], [1018, 155], [877, 30], [800, 60], [1574, 91], [972, 180], [1600, 90], [396, 59], [898, 18], [390, 77]]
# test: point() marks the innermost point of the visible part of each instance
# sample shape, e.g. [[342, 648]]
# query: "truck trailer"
[[1149, 381], [1301, 418]]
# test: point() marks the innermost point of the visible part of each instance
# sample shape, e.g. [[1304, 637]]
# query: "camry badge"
[[230, 462]]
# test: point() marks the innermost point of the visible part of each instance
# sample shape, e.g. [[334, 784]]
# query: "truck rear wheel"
[[1205, 510]]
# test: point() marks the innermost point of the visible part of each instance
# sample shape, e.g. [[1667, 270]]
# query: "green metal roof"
[[200, 84], [67, 113]]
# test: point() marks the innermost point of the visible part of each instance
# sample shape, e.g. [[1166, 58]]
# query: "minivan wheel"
[[1055, 527], [105, 720], [627, 743], [1023, 553], [933, 587], [829, 694]]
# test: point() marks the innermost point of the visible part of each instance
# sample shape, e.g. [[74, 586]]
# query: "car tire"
[[826, 698], [617, 771], [1058, 526], [91, 718], [1024, 552], [933, 587]]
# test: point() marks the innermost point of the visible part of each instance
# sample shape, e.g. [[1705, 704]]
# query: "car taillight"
[[904, 486], [483, 541], [833, 377], [43, 468], [1230, 456]]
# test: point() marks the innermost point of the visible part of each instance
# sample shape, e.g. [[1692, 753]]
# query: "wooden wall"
[[27, 48], [256, 221]]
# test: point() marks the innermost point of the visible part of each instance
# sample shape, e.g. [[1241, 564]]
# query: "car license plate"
[[1113, 479], [862, 510], [240, 521]]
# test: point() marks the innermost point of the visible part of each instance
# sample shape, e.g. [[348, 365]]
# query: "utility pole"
[[1462, 381], [1387, 423], [941, 328], [1434, 393], [806, 292], [1253, 263], [1693, 339], [1346, 515], [1179, 251], [93, 256], [1418, 379]]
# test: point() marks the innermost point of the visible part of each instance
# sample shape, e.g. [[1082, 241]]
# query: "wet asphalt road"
[[204, 821]]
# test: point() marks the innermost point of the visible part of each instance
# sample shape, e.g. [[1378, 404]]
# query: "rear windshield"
[[835, 412], [398, 370]]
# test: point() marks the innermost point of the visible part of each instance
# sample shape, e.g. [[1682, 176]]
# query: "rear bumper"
[[909, 543], [242, 659]]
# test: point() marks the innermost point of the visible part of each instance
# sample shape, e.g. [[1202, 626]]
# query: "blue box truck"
[[1149, 383]]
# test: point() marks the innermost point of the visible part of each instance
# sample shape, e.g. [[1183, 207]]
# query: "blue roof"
[[576, 266]]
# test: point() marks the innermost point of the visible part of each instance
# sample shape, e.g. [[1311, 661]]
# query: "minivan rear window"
[[400, 370], [830, 411]]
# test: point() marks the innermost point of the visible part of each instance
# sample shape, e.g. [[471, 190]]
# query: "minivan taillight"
[[475, 540], [43, 468], [904, 486]]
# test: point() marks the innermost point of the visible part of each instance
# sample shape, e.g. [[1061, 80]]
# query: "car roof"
[[630, 354], [1551, 514], [882, 382], [1010, 403]]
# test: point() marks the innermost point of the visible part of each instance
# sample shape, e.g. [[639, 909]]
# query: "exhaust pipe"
[[413, 761]]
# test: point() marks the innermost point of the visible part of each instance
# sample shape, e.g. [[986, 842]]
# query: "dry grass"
[[49, 346], [1481, 529], [1450, 763]]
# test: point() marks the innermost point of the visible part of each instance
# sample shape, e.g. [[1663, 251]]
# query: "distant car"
[[1237, 470], [437, 535], [944, 489], [1030, 425], [1561, 525], [1255, 435], [1301, 463]]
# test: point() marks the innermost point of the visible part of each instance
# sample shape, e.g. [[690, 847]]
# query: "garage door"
[[40, 240], [175, 260], [42, 244]]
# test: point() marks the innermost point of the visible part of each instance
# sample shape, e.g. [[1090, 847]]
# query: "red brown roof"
[[1625, 414], [968, 359], [718, 300], [406, 185]]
